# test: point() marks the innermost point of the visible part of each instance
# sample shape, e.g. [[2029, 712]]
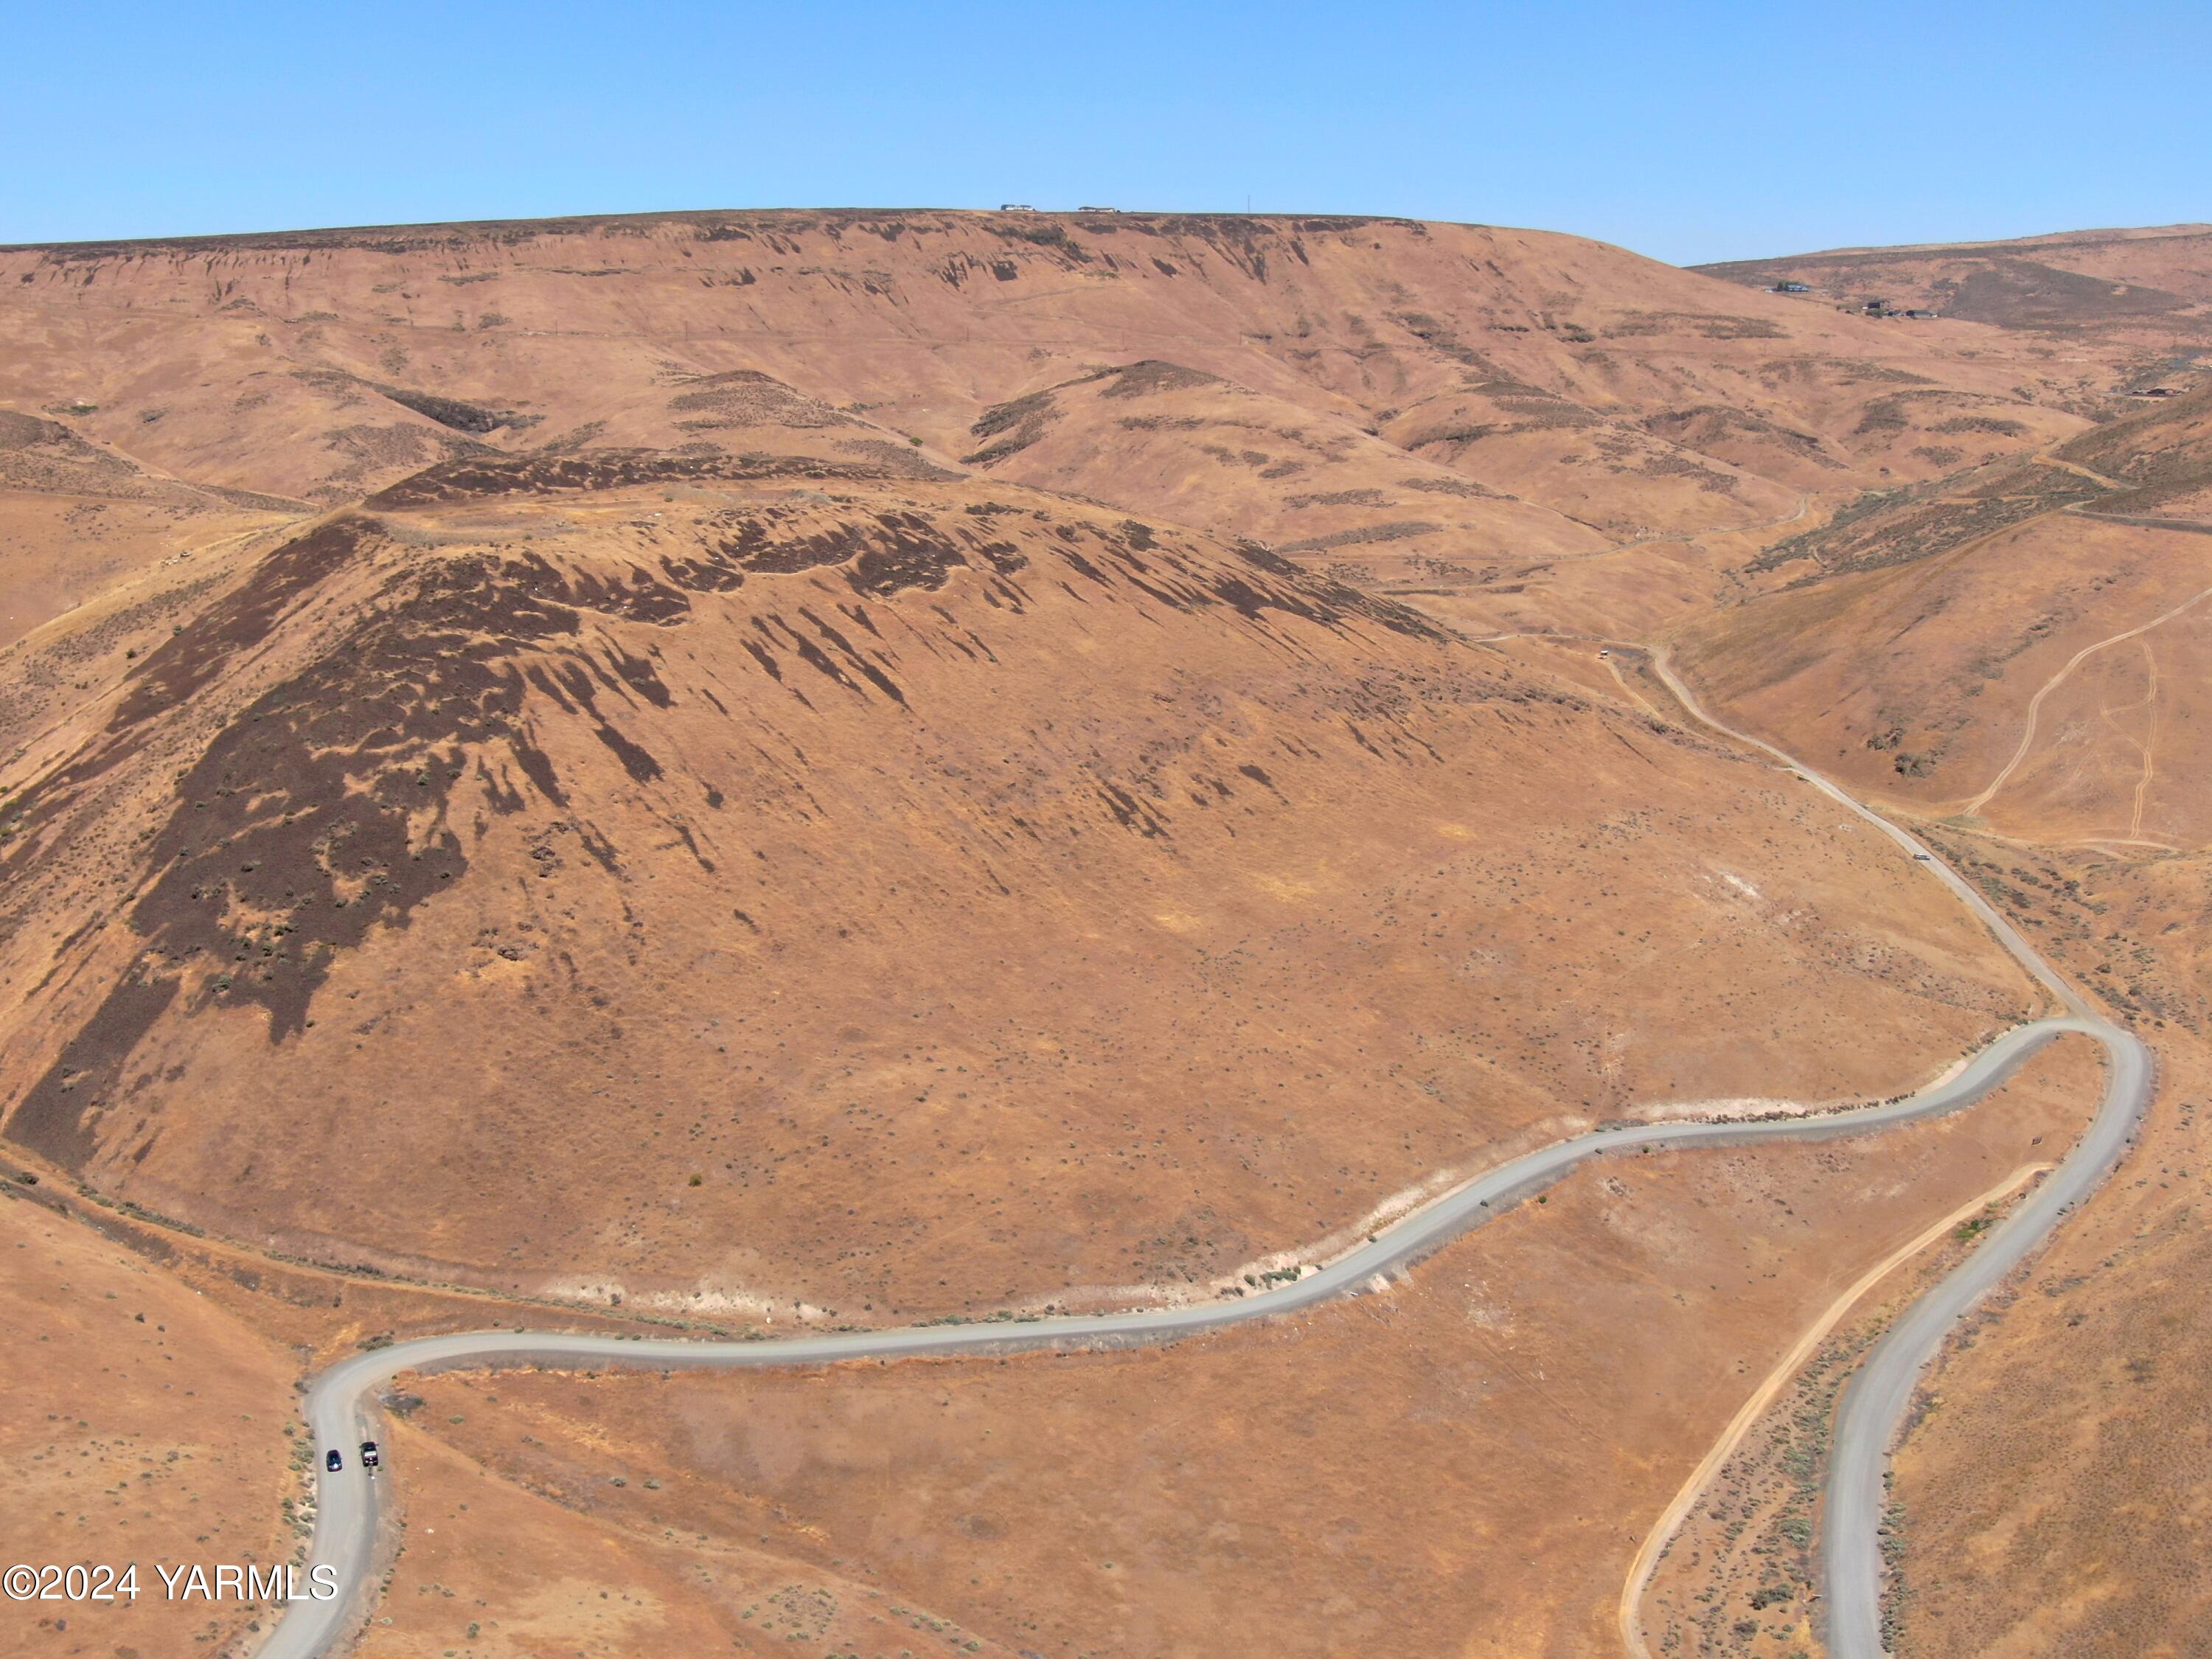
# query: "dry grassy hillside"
[[140, 1422], [2020, 644], [857, 766], [2014, 655], [1322, 489], [80, 520], [2137, 295], [1461, 1463], [2053, 1494], [322, 364], [741, 886]]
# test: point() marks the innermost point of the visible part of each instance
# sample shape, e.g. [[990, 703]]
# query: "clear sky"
[[1690, 133]]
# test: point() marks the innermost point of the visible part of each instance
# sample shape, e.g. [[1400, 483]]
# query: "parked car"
[[368, 1459], [332, 1461]]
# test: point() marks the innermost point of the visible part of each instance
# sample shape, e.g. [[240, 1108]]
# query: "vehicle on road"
[[368, 1457], [1923, 857], [332, 1461]]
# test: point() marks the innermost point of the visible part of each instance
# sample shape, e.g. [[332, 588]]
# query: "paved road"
[[341, 1402], [1875, 1401]]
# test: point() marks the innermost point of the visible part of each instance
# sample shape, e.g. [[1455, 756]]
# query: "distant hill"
[[2144, 287]]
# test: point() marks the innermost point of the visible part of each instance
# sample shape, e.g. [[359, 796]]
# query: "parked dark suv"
[[368, 1454]]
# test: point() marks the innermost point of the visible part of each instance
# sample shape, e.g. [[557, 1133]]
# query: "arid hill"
[[1210, 452], [2134, 296], [742, 884], [851, 767], [2014, 656], [319, 366], [2021, 642]]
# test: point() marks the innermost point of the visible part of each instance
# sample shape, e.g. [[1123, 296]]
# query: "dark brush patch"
[[572, 684], [185, 663], [178, 668], [309, 793], [875, 676], [640, 676], [55, 1118], [1131, 813], [1142, 380], [454, 412], [1322, 599], [289, 840], [907, 550], [884, 554], [809, 652], [1022, 420], [636, 596], [471, 478]]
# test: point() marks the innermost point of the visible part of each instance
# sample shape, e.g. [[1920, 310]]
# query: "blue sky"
[[1688, 133]]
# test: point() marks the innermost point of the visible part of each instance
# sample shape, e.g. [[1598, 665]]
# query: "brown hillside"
[[1321, 489], [2132, 297], [322, 364], [1548, 1378], [866, 766], [748, 886], [2021, 643]]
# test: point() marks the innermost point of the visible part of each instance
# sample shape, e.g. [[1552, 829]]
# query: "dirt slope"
[[2053, 1494], [2130, 292], [1205, 451], [750, 886], [1461, 1464], [744, 765], [137, 1422], [323, 363], [2020, 642]]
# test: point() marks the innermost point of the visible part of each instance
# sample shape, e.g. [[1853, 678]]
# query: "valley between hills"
[[734, 776]]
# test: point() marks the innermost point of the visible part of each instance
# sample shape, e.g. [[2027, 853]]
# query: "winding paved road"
[[340, 1409], [1875, 1401]]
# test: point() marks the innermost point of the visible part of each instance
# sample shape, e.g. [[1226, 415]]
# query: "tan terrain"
[[2054, 1492], [1460, 1465], [321, 364], [787, 838], [2144, 290], [138, 1423], [2021, 646], [2013, 656], [851, 767]]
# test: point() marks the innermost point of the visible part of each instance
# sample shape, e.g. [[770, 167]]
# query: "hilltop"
[[1590, 395], [2136, 294]]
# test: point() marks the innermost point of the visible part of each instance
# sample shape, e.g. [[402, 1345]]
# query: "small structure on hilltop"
[[1098, 210], [1016, 207], [1792, 287]]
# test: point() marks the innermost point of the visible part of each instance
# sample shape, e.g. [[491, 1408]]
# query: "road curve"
[[341, 1406], [1875, 1401]]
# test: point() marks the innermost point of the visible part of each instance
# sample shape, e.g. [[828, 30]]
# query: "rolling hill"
[[858, 767]]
